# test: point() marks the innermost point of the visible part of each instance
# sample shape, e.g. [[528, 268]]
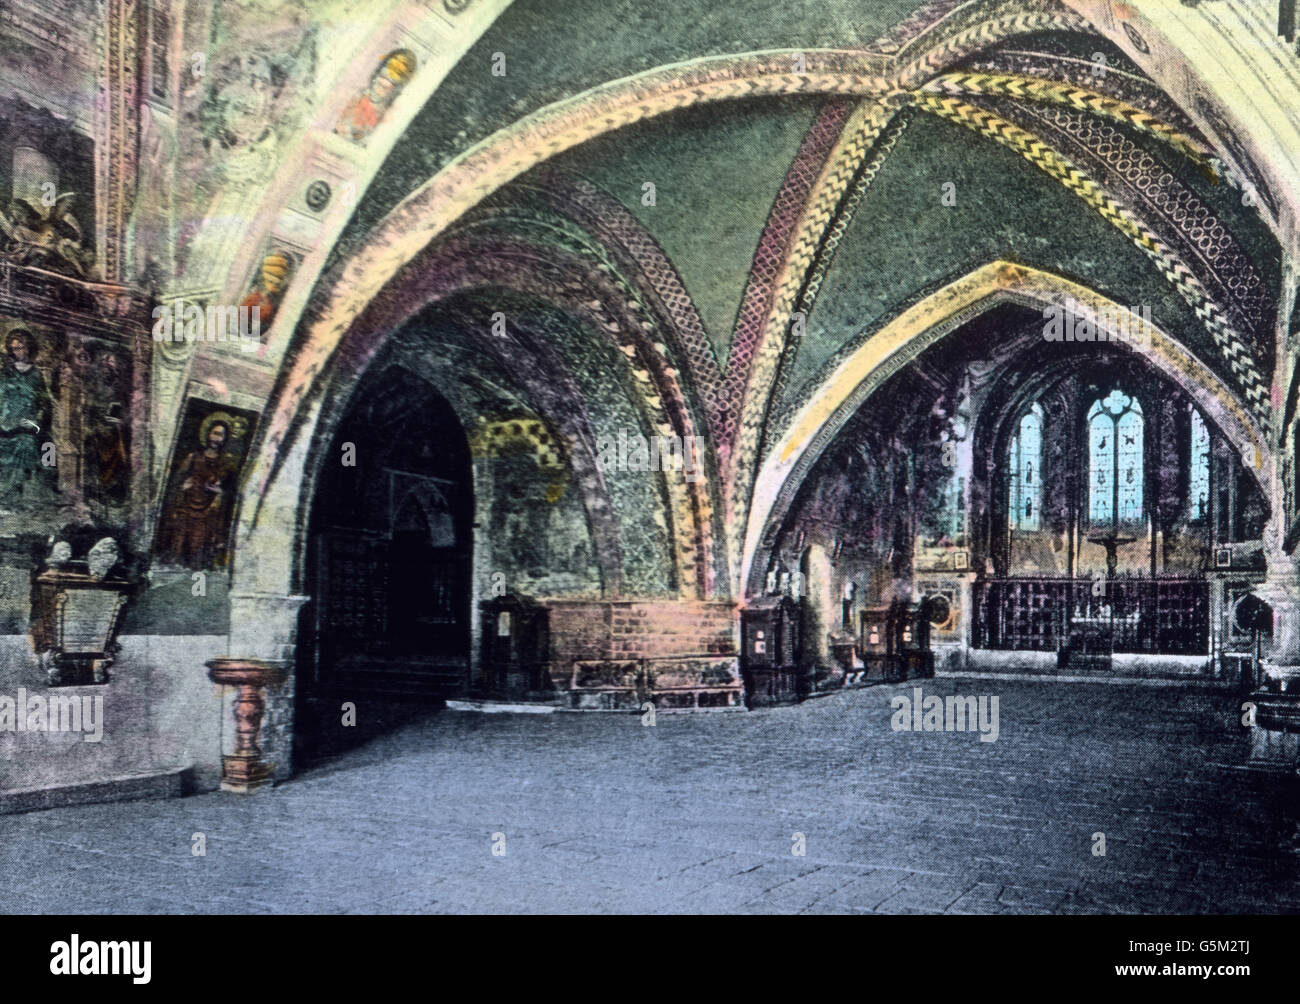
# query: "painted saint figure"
[[193, 528], [265, 296], [105, 453], [106, 467], [368, 109], [25, 409]]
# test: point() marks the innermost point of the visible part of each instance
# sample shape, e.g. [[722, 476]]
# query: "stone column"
[[264, 627], [1277, 697], [819, 611], [966, 616]]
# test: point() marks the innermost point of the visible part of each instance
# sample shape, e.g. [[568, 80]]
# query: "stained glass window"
[[1198, 486], [1128, 474], [1025, 463], [1115, 464], [953, 504]]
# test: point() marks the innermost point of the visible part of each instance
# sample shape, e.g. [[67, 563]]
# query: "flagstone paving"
[[704, 813]]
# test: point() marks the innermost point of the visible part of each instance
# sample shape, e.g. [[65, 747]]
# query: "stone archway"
[[927, 322], [268, 534], [390, 545]]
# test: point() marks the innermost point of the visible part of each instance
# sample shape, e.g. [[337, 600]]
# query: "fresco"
[[194, 521], [274, 274], [762, 457], [368, 109]]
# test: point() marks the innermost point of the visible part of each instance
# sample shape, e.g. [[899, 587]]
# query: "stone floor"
[[700, 814]]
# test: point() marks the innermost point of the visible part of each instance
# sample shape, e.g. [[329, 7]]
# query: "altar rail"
[[1165, 615]]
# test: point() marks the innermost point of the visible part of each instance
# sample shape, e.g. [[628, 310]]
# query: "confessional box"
[[874, 642], [912, 628], [516, 641], [770, 650]]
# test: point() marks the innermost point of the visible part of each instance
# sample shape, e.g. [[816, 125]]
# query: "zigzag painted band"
[[1132, 90], [774, 244], [826, 253], [1203, 242], [987, 33], [1026, 88], [609, 219], [1035, 151], [864, 128]]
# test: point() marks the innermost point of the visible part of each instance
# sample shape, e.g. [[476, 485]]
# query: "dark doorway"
[[390, 550]]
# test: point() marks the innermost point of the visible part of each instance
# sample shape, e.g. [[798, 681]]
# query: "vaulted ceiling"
[[699, 220]]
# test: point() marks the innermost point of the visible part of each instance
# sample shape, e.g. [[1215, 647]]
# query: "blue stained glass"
[[1101, 463], [1025, 465], [1115, 460], [1129, 469], [1198, 487]]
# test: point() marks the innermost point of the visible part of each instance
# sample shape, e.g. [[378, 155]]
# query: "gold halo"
[[217, 417], [33, 343], [399, 65], [276, 264]]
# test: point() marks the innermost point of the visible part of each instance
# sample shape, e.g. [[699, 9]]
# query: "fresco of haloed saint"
[[368, 109], [194, 526], [106, 443], [25, 410], [65, 428]]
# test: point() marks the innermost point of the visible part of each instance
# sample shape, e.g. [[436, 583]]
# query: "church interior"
[[457, 356]]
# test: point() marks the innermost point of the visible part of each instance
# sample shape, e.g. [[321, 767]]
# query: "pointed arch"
[[928, 321]]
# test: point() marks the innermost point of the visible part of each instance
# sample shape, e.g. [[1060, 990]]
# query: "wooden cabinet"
[[894, 641], [516, 642], [771, 651]]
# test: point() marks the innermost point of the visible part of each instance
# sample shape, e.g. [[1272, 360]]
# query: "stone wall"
[[617, 655], [160, 714]]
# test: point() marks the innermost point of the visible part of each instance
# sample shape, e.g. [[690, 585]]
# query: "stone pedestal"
[[820, 611], [1277, 697], [264, 626], [244, 771]]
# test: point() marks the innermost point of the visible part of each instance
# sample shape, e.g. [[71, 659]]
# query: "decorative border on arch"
[[596, 295], [904, 337], [1223, 266], [478, 172], [569, 280], [649, 268], [821, 265], [1205, 243], [1234, 349], [815, 181], [838, 189], [118, 115], [1082, 99]]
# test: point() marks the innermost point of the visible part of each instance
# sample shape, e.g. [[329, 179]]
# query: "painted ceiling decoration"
[[823, 415], [477, 173], [402, 188], [440, 357]]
